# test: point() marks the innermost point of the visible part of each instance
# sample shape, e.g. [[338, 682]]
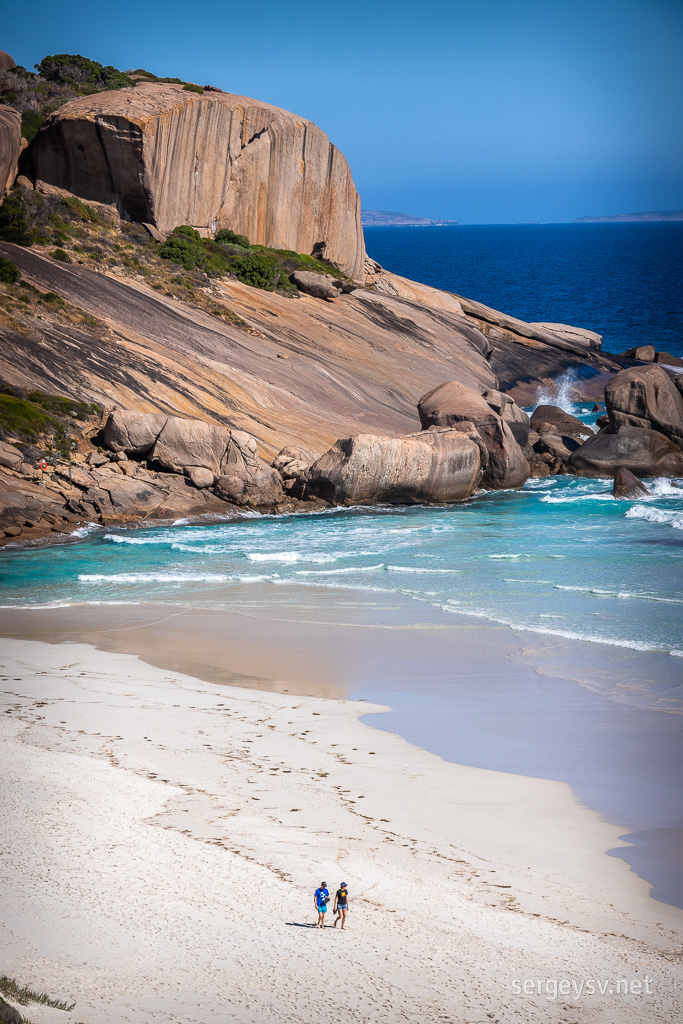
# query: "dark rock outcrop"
[[668, 359], [236, 163], [628, 486], [10, 146], [645, 396], [435, 466], [550, 419], [508, 410], [642, 451], [646, 353], [321, 286], [452, 404]]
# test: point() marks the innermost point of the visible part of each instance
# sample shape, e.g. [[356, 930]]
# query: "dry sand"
[[162, 838]]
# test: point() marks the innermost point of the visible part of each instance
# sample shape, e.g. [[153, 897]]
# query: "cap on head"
[[343, 885], [323, 884]]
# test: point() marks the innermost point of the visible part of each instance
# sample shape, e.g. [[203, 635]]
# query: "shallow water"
[[561, 557]]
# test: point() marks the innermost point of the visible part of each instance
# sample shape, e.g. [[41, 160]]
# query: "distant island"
[[386, 219], [652, 215]]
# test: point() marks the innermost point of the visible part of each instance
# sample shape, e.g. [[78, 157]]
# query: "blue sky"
[[480, 112]]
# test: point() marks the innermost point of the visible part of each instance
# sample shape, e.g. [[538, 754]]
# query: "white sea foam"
[[337, 572], [153, 577], [419, 569], [622, 594], [667, 517], [521, 554], [290, 557]]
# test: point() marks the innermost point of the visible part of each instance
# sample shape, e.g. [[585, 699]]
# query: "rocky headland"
[[188, 267]]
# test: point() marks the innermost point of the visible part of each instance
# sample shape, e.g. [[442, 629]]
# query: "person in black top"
[[341, 904]]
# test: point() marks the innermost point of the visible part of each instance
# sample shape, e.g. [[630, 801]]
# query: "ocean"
[[621, 280], [559, 561]]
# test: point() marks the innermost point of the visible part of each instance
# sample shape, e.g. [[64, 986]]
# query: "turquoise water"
[[559, 557]]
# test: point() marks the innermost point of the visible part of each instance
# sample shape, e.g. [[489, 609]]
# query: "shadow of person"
[[299, 924]]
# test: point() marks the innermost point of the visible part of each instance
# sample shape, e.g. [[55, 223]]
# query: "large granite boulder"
[[508, 410], [644, 452], [452, 404], [202, 451], [6, 61], [236, 163], [646, 353], [321, 286], [645, 396], [10, 146], [550, 419], [185, 444], [628, 486], [432, 466], [134, 433]]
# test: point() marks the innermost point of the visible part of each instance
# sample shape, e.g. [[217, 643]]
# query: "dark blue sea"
[[624, 281]]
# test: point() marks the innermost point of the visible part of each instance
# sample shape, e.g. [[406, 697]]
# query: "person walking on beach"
[[320, 900], [341, 904]]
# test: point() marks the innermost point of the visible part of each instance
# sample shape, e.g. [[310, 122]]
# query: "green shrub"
[[61, 255], [184, 246], [226, 235], [81, 73], [8, 271], [81, 209], [189, 87], [31, 121], [21, 214], [259, 269]]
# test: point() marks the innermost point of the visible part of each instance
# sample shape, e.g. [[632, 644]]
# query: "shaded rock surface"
[[553, 420], [453, 403], [190, 445], [626, 485], [442, 465], [165, 156], [10, 146], [642, 451], [645, 396], [516, 419], [646, 353], [321, 286]]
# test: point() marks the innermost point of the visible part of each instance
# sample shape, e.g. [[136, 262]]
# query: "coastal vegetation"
[[46, 423], [61, 77], [24, 995]]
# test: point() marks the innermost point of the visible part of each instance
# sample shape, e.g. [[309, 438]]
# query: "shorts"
[[342, 906], [322, 908]]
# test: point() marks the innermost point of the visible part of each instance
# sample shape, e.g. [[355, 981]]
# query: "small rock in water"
[[627, 485]]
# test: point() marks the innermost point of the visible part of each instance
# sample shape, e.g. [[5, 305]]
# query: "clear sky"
[[480, 111]]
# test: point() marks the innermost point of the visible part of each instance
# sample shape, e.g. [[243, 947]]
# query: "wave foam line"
[[666, 517]]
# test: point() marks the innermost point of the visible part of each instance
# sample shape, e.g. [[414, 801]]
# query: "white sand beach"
[[162, 837]]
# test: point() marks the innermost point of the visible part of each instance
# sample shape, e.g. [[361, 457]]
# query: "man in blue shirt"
[[320, 901]]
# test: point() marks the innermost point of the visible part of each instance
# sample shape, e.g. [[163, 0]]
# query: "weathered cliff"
[[10, 146], [166, 156]]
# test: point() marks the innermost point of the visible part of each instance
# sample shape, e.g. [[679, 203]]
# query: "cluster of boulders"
[[648, 354], [151, 464]]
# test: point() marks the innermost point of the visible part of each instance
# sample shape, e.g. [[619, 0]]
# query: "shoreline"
[[119, 774], [492, 698]]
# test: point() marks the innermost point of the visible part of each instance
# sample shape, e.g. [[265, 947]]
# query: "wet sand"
[[602, 719]]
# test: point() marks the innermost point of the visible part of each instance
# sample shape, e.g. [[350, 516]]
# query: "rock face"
[[628, 486], [321, 286], [550, 419], [10, 146], [166, 156], [6, 62], [643, 452], [645, 396], [433, 466], [453, 403], [646, 353], [508, 410], [202, 451]]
